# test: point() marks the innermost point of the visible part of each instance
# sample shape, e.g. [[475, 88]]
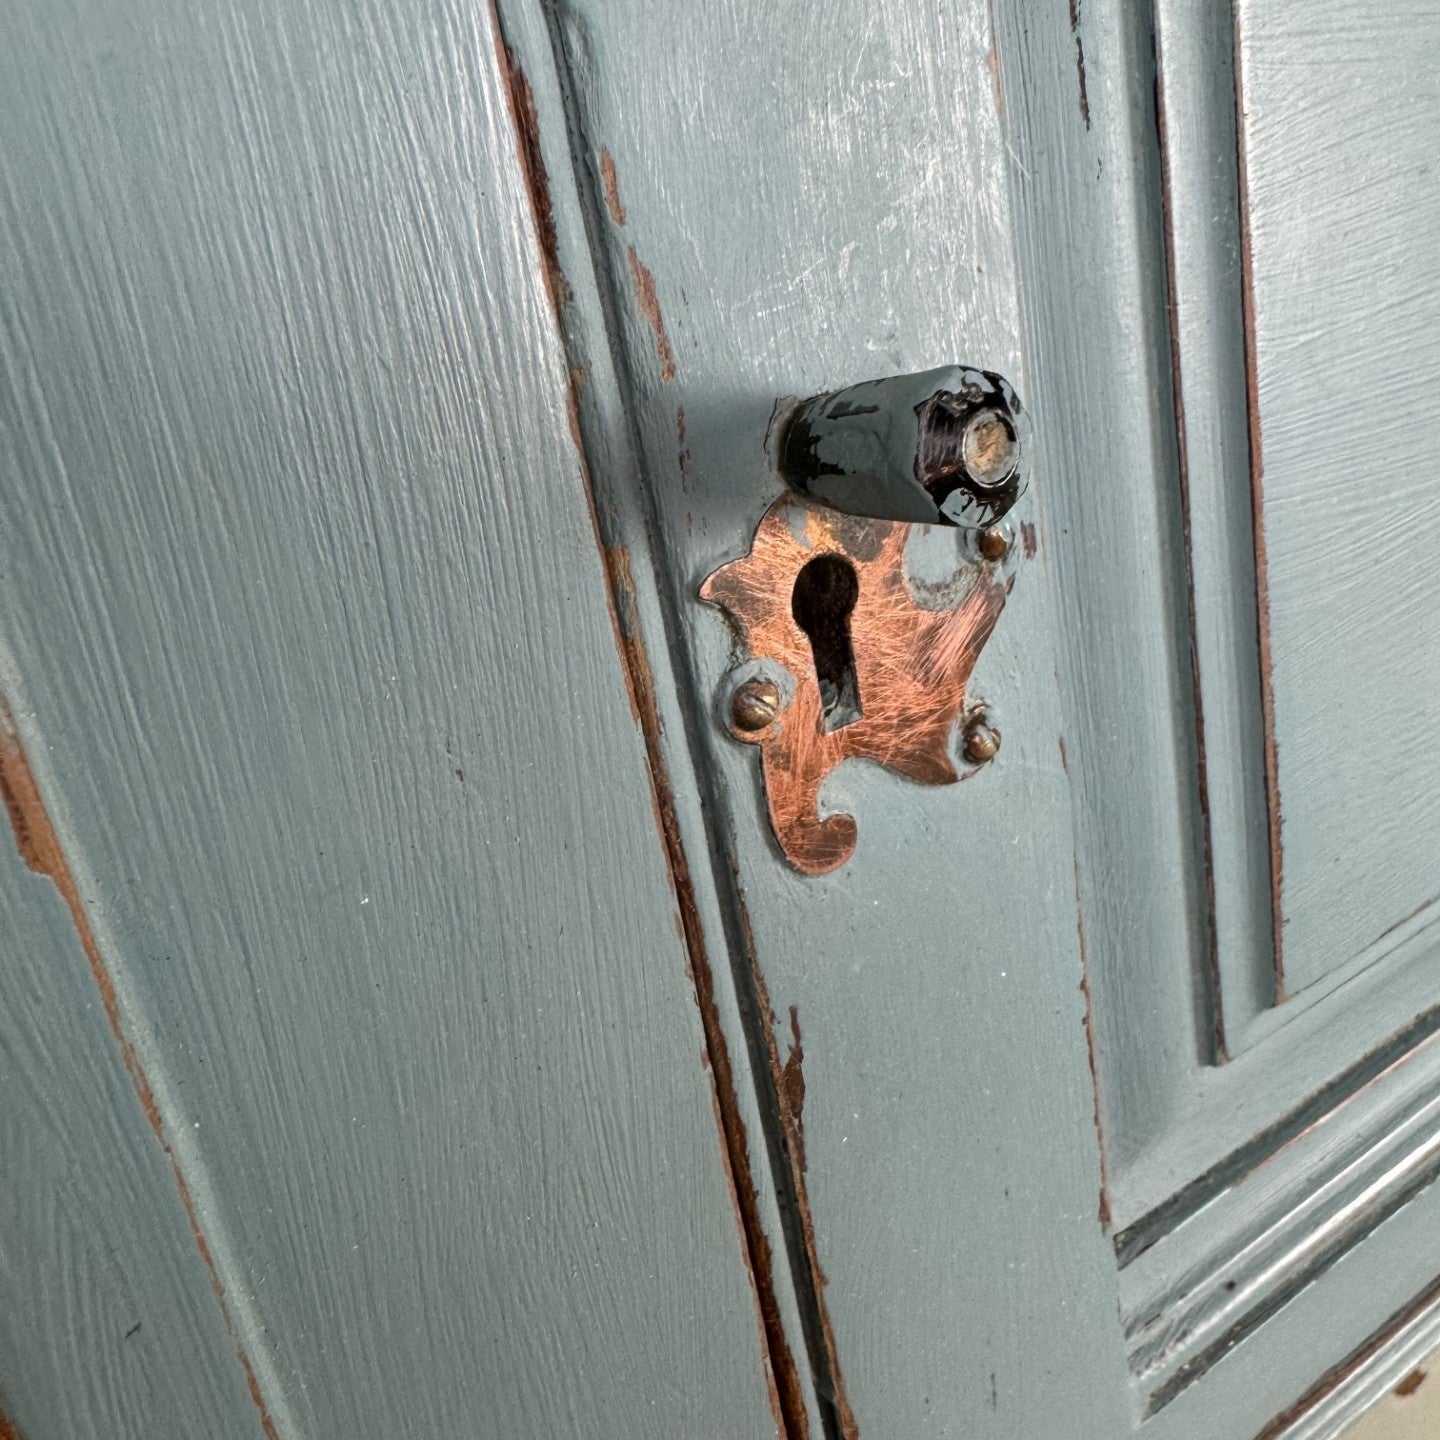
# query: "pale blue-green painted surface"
[[310, 647], [323, 692]]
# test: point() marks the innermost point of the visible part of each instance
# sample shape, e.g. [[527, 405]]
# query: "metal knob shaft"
[[947, 446]]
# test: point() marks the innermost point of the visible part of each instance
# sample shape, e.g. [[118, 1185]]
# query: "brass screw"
[[994, 543], [982, 742], [754, 705], [990, 448]]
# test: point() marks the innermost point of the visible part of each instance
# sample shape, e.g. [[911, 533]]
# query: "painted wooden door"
[[411, 1026], [353, 1081]]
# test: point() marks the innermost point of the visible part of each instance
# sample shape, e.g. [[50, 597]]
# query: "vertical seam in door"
[[785, 1389], [1257, 501], [1214, 991], [39, 845]]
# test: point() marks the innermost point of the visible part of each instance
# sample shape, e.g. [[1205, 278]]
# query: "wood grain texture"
[[324, 697], [1346, 302], [818, 195]]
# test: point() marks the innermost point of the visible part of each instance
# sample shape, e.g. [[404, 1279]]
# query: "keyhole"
[[825, 593]]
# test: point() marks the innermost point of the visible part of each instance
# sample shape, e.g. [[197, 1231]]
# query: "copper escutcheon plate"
[[911, 665]]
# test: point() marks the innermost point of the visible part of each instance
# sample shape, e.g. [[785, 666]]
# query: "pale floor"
[[1410, 1412]]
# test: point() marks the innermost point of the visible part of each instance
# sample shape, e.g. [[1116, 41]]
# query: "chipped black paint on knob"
[[943, 447]]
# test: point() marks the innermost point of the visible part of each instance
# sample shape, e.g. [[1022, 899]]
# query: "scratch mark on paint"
[[40, 848], [610, 183], [1080, 61], [650, 309], [794, 1145], [684, 452], [1029, 539], [1090, 1051]]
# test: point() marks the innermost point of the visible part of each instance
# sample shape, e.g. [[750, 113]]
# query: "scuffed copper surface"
[[912, 666]]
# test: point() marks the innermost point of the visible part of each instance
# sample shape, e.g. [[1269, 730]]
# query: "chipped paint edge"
[[38, 843]]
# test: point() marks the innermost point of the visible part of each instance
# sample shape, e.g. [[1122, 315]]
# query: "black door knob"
[[946, 446]]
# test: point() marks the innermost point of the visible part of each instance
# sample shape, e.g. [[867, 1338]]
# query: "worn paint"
[[8, 1429], [618, 54], [610, 183], [788, 1394], [452, 383], [649, 306], [1080, 62], [532, 164], [832, 1376], [910, 666], [992, 61], [39, 845], [786, 1390], [792, 1086], [1090, 1046]]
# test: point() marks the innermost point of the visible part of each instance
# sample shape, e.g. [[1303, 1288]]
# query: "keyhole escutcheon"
[[824, 596]]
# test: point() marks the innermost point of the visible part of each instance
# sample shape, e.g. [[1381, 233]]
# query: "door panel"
[[1258, 1134], [1341, 213], [322, 691]]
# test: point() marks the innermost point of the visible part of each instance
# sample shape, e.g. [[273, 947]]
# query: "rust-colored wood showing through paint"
[[910, 667]]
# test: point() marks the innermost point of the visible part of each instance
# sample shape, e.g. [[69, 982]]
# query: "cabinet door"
[[1119, 1096], [351, 1079]]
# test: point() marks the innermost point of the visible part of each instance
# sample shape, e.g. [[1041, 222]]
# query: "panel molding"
[[1202, 200], [1368, 1373], [1189, 1298]]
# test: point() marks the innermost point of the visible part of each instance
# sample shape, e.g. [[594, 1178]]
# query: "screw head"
[[754, 705], [994, 543], [990, 448], [982, 742]]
